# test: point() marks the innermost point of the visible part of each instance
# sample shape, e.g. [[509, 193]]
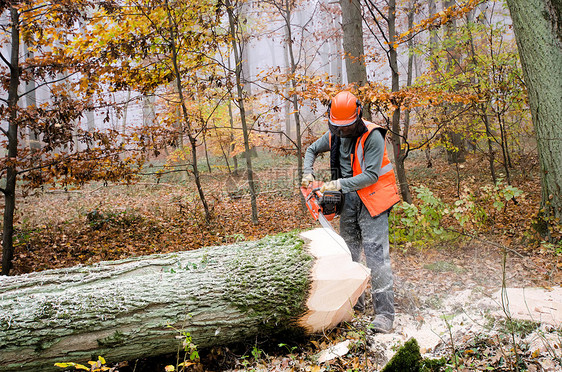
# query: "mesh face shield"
[[354, 129]]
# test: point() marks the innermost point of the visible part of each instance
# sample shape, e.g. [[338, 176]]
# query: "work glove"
[[331, 186], [307, 179]]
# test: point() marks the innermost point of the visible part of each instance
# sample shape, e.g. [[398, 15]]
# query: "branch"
[[5, 60], [379, 27], [267, 131], [377, 9], [493, 244], [439, 19], [68, 155], [440, 125], [46, 83], [206, 121]]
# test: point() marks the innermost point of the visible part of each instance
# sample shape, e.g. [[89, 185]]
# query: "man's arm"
[[374, 151], [322, 144]]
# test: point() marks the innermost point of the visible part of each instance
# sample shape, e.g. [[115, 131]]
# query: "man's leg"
[[376, 246], [351, 234]]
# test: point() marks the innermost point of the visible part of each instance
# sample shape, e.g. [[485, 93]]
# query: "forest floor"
[[448, 292]]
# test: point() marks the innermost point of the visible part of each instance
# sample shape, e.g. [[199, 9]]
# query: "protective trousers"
[[363, 233]]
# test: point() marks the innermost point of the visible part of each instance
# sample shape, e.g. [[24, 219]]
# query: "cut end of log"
[[337, 281]]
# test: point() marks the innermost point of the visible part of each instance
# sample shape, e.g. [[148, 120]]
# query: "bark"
[[483, 109], [505, 149], [433, 37], [135, 308], [336, 54], [11, 171], [538, 31], [457, 152], [352, 26], [287, 11], [433, 41], [397, 139], [231, 122], [31, 101], [287, 88], [206, 150], [148, 115], [123, 129], [410, 71], [489, 137], [232, 144], [240, 99]]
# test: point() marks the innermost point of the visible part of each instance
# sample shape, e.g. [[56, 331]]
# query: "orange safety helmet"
[[344, 109], [344, 116]]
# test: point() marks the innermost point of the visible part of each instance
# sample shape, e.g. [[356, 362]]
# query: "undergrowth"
[[430, 220]]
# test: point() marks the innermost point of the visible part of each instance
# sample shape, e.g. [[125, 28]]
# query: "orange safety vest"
[[383, 194]]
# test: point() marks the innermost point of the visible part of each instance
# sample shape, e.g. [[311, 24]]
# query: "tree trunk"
[[336, 54], [397, 139], [11, 171], [190, 134], [456, 153], [352, 26], [135, 308], [240, 99], [232, 144], [287, 89], [206, 150], [231, 121], [294, 98], [31, 101], [410, 72], [489, 137], [433, 37], [538, 31]]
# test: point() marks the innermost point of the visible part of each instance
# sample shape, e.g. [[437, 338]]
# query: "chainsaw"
[[323, 206]]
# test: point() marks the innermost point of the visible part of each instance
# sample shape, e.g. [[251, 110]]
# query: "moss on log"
[[136, 307]]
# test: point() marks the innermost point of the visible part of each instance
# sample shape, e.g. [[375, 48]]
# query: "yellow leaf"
[[536, 353], [101, 359], [64, 365], [170, 368], [81, 366]]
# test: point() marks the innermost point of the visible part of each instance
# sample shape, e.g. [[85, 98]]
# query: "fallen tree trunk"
[[133, 308]]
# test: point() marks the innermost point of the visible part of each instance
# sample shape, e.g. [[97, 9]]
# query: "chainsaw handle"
[[313, 194]]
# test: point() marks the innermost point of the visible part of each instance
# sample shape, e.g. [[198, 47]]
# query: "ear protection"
[[359, 108], [357, 103]]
